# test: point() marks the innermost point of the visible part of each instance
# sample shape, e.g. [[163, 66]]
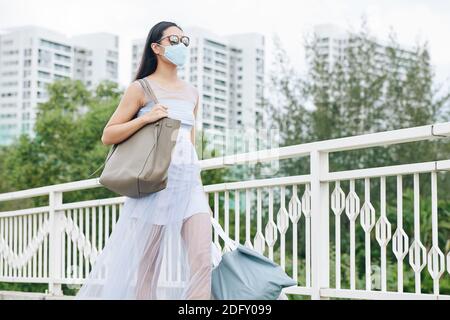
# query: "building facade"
[[32, 57], [333, 42]]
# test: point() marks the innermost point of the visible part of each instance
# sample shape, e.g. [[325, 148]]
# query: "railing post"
[[320, 245], [55, 258]]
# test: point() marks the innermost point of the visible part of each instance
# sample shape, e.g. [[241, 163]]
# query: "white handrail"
[[433, 131]]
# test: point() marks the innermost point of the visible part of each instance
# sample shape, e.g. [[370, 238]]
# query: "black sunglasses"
[[175, 39]]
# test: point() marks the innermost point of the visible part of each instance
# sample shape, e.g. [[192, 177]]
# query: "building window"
[[215, 44]]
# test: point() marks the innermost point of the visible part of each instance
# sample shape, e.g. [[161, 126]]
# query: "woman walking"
[[161, 246]]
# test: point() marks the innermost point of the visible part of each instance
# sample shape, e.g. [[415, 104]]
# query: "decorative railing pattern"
[[250, 200], [301, 222]]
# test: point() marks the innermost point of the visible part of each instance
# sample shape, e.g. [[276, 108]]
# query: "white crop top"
[[180, 103]]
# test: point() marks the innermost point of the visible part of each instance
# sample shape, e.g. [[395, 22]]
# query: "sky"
[[412, 20]]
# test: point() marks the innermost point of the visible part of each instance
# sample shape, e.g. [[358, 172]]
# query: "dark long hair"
[[149, 61]]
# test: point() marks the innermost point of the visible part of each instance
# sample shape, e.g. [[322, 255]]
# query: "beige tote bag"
[[138, 165]]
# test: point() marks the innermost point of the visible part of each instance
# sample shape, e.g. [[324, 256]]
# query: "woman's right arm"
[[120, 126]]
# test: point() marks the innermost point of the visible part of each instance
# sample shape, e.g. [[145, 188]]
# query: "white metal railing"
[[57, 244]]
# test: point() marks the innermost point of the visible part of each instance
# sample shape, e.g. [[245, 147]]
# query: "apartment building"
[[333, 40], [96, 58], [32, 57]]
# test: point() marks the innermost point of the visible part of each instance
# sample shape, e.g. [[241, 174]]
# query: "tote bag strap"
[[148, 89], [111, 150], [217, 227]]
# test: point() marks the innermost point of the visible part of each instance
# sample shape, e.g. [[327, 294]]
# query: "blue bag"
[[244, 274]]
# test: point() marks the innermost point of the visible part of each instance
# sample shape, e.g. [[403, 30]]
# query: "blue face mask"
[[176, 53]]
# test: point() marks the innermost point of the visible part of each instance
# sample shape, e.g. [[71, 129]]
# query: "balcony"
[[309, 224]]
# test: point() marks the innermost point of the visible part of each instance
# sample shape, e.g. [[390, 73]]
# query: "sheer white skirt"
[[161, 246]]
